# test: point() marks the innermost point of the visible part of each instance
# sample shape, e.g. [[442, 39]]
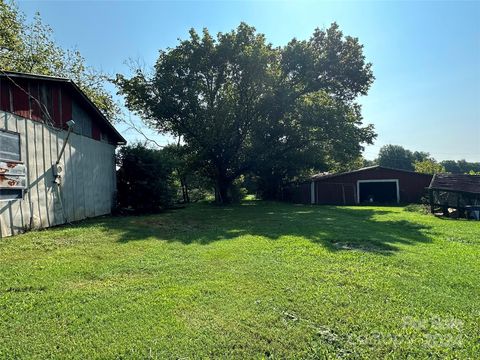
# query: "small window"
[[9, 145], [10, 194]]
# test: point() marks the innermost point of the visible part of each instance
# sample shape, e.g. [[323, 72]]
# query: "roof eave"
[[120, 140], [454, 190], [321, 177]]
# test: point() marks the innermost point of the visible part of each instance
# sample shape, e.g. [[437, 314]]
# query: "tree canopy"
[[244, 106], [461, 166], [30, 47], [145, 179], [396, 156], [428, 166]]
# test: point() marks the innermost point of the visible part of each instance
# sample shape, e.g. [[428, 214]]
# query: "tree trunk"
[[187, 197], [182, 185], [222, 195]]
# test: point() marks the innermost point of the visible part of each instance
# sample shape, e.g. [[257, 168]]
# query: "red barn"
[[375, 184], [57, 154]]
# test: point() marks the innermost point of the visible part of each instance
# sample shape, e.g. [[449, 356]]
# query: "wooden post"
[[312, 192], [430, 198]]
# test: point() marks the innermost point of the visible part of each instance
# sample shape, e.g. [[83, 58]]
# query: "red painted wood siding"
[[4, 96], [21, 102], [66, 108], [335, 193], [31, 101], [96, 132], [35, 101], [50, 102], [56, 108]]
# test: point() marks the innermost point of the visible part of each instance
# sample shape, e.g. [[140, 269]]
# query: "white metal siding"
[[88, 177]]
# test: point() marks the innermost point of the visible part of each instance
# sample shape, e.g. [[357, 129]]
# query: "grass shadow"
[[335, 228]]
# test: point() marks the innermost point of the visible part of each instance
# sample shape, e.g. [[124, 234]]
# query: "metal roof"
[[322, 176], [456, 182], [120, 140]]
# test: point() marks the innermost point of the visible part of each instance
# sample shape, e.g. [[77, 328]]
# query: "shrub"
[[419, 208], [237, 191], [145, 179]]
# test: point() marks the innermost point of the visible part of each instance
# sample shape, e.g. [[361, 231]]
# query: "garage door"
[[378, 191]]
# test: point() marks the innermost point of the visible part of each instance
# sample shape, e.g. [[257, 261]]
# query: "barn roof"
[[77, 92], [322, 176], [456, 182]]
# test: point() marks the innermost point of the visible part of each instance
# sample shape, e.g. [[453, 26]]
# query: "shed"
[[374, 184], [52, 169], [458, 191]]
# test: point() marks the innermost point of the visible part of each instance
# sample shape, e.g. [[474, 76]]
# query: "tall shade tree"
[[244, 106], [395, 156], [10, 29], [30, 47]]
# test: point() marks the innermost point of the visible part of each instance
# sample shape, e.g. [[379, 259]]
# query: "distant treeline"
[[460, 166], [396, 156]]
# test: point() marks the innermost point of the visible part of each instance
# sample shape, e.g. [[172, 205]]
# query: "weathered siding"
[[23, 97], [88, 177], [57, 106], [83, 121]]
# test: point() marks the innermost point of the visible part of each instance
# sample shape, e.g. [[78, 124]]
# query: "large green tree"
[[30, 47], [244, 106], [428, 166], [145, 178], [397, 157]]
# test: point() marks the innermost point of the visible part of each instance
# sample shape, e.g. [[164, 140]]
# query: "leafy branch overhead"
[[245, 106], [30, 47]]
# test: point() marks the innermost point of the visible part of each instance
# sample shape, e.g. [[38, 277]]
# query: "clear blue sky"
[[425, 55]]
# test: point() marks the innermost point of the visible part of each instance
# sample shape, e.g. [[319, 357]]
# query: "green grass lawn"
[[256, 280]]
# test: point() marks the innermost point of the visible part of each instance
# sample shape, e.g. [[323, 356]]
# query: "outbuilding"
[[57, 154], [374, 184], [455, 191]]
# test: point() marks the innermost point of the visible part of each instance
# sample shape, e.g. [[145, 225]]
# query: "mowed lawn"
[[256, 280]]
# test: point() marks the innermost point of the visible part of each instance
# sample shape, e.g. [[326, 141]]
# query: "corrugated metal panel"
[[456, 182], [12, 175], [87, 186]]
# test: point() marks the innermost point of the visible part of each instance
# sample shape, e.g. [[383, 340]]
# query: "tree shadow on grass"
[[335, 228]]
